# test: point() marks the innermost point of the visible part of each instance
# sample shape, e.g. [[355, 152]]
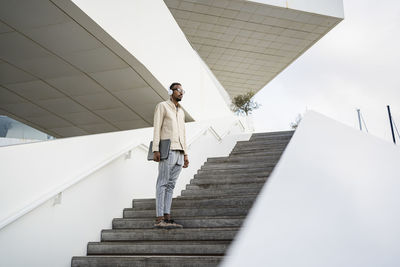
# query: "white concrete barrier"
[[333, 200]]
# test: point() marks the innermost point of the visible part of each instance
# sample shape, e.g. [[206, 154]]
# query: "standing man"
[[169, 123]]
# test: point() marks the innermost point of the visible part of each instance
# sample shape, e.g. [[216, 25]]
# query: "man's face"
[[177, 95]]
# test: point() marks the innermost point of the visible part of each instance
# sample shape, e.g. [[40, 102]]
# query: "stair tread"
[[213, 229], [200, 181], [179, 199], [147, 256], [186, 208], [186, 218], [162, 247], [249, 195], [160, 242], [146, 260]]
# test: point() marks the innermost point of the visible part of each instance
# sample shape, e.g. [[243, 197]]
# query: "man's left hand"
[[186, 164]]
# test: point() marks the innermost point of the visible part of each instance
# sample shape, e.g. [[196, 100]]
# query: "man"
[[169, 123]]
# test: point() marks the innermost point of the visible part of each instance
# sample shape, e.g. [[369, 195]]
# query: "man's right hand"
[[156, 156]]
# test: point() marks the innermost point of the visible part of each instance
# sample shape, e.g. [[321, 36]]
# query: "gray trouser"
[[168, 172]]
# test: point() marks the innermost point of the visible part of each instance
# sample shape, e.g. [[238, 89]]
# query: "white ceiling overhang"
[[63, 74], [246, 44]]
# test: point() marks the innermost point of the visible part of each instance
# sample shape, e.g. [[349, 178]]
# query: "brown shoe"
[[172, 224]]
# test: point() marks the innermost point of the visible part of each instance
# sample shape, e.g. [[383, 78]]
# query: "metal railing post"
[[359, 119], [391, 124]]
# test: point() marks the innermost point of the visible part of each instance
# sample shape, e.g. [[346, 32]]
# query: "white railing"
[[57, 191]]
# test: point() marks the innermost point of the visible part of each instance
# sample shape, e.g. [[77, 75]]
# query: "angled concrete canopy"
[[63, 74], [69, 74], [248, 43]]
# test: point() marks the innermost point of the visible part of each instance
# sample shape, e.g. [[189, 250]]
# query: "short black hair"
[[173, 84]]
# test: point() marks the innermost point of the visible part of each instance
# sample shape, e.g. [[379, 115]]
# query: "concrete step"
[[169, 234], [249, 153], [227, 186], [198, 202], [239, 165], [264, 141], [240, 174], [253, 151], [268, 148], [270, 138], [146, 261], [227, 171], [211, 196], [272, 134], [260, 147], [158, 248], [244, 159], [187, 222], [220, 192], [193, 211], [228, 180]]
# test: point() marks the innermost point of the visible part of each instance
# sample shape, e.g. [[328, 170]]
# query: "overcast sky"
[[356, 65]]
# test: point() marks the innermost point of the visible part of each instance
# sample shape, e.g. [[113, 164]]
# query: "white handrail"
[[214, 132], [59, 189]]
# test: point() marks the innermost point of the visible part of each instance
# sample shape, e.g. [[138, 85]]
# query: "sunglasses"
[[179, 90]]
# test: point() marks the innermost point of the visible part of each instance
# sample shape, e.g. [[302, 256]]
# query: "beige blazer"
[[169, 123]]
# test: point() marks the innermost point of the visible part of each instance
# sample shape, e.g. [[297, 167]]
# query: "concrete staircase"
[[211, 209]]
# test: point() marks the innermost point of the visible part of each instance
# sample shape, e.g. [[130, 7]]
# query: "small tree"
[[296, 122], [243, 104]]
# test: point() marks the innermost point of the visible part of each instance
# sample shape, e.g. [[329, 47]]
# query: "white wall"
[[30, 171], [333, 200], [51, 234], [333, 8], [149, 32]]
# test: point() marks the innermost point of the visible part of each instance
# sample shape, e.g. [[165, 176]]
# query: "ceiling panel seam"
[[44, 81], [302, 52], [112, 51], [33, 103], [255, 23], [258, 75], [240, 50], [123, 103]]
